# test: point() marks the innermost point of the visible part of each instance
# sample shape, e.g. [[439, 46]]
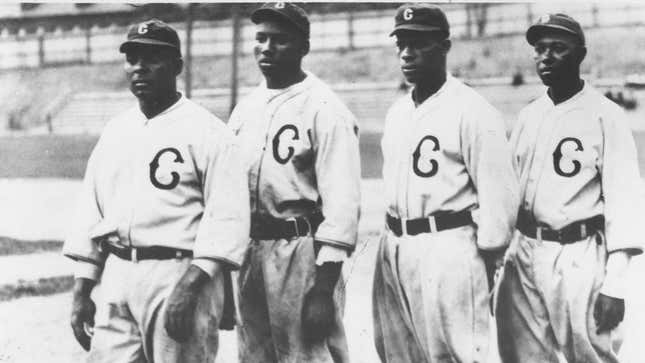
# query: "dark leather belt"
[[574, 232], [265, 227], [136, 254], [436, 223]]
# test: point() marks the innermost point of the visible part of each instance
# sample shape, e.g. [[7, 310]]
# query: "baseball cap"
[[151, 32], [293, 14], [558, 22], [421, 17]]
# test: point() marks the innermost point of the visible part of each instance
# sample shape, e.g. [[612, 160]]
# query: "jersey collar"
[[182, 99], [294, 88], [427, 104], [572, 100]]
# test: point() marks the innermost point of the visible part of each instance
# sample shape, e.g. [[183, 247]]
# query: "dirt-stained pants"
[[545, 302], [431, 298], [129, 322], [273, 280]]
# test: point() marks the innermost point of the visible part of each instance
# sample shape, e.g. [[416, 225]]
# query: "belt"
[[136, 254], [435, 223], [267, 227], [574, 232]]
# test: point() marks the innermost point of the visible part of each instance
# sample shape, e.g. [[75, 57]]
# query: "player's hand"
[[318, 310], [318, 315], [608, 313], [181, 304], [83, 310]]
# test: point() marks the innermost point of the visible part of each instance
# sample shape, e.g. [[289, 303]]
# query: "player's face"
[[278, 48], [557, 57], [421, 54], [151, 71]]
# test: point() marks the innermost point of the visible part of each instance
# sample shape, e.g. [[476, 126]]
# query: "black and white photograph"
[[322, 182]]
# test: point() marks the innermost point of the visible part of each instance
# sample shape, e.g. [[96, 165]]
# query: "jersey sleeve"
[[514, 140], [78, 245], [622, 188], [338, 173], [487, 156], [234, 121], [223, 232]]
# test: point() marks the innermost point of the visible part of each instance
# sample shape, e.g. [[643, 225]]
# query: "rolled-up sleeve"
[[338, 173], [489, 162], [223, 232]]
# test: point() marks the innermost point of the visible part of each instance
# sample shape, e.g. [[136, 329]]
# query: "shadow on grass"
[[44, 286], [10, 246]]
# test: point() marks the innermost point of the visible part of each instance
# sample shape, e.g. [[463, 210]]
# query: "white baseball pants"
[[545, 302], [431, 298]]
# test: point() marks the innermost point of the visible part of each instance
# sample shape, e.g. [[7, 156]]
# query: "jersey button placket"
[[410, 146], [136, 175], [544, 134]]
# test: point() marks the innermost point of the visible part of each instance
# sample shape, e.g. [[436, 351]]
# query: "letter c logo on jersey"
[[154, 165], [276, 144], [557, 156], [417, 155]]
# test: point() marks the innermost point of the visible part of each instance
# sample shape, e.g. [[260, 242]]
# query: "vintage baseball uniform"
[[301, 148], [448, 155], [174, 181], [576, 160]]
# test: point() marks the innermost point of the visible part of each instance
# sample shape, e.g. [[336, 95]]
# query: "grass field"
[[45, 156]]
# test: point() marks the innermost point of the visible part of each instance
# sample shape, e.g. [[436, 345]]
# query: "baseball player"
[[452, 197], [560, 292], [301, 147], [162, 216]]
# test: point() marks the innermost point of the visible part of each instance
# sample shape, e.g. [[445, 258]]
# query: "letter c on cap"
[[407, 14], [279, 5], [143, 28]]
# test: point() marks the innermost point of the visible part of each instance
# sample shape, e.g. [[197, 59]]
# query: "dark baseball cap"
[[152, 32], [291, 13], [558, 22], [421, 17]]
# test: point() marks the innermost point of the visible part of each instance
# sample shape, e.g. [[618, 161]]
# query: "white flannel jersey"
[[451, 154], [301, 148], [173, 180], [576, 160]]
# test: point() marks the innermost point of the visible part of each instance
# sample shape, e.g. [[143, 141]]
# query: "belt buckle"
[[538, 233], [404, 226], [583, 230], [295, 223], [133, 255], [432, 222]]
